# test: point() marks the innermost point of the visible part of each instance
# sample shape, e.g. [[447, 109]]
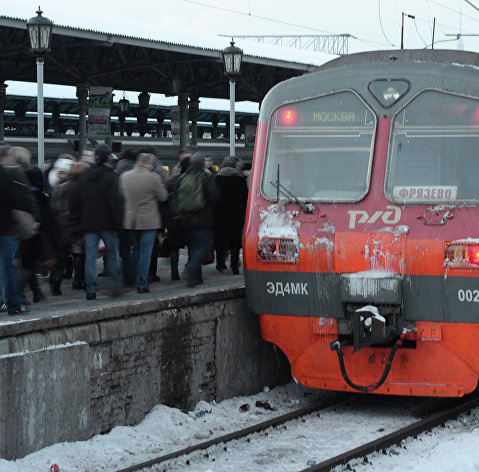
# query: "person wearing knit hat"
[[103, 154]]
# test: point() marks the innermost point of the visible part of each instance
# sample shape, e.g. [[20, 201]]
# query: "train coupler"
[[370, 328]]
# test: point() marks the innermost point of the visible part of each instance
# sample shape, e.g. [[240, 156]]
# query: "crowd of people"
[[129, 210]]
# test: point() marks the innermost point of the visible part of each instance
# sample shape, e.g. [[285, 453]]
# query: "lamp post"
[[40, 34], [232, 57]]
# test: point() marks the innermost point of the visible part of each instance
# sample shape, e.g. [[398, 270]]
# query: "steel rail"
[[434, 419], [242, 432]]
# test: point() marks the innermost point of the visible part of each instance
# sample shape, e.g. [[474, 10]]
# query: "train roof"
[[440, 56], [360, 67]]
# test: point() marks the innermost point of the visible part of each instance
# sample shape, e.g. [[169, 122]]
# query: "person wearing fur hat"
[[60, 170], [230, 213]]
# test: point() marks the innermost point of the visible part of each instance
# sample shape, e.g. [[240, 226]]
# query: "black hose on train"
[[336, 346]]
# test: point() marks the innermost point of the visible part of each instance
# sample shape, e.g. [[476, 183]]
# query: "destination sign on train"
[[293, 117], [340, 109], [425, 193]]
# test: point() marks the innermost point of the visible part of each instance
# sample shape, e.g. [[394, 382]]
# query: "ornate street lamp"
[[143, 104], [40, 35], [232, 57], [144, 100], [175, 85], [124, 105]]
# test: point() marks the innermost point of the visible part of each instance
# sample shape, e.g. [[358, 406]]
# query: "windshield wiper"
[[281, 189]]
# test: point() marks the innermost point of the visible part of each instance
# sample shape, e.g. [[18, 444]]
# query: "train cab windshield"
[[434, 150], [320, 149]]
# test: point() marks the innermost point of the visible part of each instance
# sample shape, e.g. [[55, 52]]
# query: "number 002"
[[468, 295]]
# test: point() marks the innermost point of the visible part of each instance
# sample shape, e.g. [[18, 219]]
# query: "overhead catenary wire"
[[443, 27], [273, 20], [472, 4], [368, 42], [259, 17], [454, 10], [419, 34], [381, 24]]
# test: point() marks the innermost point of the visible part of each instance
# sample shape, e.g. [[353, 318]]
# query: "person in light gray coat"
[[142, 190]]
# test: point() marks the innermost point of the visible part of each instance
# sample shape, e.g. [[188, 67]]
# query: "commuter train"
[[361, 240]]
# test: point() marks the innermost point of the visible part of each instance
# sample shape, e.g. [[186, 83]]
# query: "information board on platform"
[[99, 110]]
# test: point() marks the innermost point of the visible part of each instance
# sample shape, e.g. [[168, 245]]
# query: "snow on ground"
[[165, 430]]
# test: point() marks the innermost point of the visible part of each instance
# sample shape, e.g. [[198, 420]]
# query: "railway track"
[[449, 409], [452, 409], [327, 403]]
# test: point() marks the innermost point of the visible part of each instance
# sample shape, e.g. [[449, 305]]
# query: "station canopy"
[[86, 57]]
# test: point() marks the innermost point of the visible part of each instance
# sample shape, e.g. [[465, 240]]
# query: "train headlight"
[[391, 95], [462, 255], [388, 92], [278, 250]]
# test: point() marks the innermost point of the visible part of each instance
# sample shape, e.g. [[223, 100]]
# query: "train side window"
[[321, 149], [433, 152]]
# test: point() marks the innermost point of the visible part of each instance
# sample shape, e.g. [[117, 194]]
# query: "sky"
[[373, 24], [164, 430]]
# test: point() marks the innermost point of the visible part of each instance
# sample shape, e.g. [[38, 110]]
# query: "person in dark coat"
[[69, 224], [199, 223], [174, 225], [42, 250], [230, 213], [127, 161], [74, 224], [100, 207], [11, 197], [59, 180]]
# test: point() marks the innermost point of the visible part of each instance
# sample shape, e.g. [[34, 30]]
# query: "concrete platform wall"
[[70, 376]]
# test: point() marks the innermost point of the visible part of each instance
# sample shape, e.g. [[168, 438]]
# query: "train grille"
[[278, 250]]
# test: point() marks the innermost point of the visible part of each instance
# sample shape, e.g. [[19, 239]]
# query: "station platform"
[[73, 301]]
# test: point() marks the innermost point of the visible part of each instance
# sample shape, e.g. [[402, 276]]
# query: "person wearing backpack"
[[197, 194]]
